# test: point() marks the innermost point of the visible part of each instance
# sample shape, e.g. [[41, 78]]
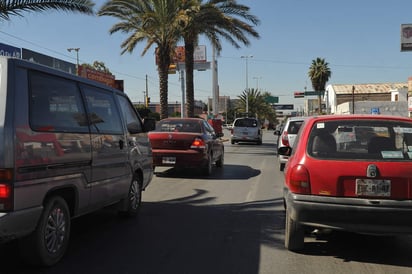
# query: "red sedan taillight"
[[285, 140], [299, 180], [5, 190], [198, 143]]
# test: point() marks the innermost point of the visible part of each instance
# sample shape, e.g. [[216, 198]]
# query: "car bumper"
[[369, 216], [245, 139], [283, 159], [17, 224], [183, 159]]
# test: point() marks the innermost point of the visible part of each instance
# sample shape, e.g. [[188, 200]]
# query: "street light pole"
[[257, 82], [246, 57], [77, 58]]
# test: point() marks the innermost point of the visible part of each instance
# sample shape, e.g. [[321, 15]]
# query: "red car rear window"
[[361, 139]]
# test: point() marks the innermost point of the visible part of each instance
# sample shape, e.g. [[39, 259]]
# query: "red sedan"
[[349, 172], [186, 143]]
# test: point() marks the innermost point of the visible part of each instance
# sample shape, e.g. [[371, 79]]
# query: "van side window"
[[103, 114], [129, 113], [55, 104]]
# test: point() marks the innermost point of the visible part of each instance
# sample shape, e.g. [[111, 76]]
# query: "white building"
[[383, 98]]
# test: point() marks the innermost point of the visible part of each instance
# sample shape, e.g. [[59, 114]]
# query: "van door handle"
[[121, 144]]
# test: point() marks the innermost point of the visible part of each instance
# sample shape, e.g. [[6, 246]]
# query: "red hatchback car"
[[186, 143], [349, 172]]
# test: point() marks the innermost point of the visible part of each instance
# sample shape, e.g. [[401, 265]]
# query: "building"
[[381, 98], [175, 107]]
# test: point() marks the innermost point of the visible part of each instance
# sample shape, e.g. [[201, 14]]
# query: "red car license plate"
[[373, 187]]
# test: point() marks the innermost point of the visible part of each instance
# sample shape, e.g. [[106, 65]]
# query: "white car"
[[246, 130], [287, 137]]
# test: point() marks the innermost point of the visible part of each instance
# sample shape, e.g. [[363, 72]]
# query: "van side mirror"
[[149, 124]]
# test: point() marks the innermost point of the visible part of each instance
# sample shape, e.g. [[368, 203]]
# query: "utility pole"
[[246, 57], [353, 99], [77, 58], [147, 98], [215, 84]]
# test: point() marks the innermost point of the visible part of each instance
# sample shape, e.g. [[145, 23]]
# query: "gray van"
[[68, 146]]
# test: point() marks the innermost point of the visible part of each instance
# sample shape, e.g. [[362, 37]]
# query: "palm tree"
[[257, 104], [157, 22], [215, 19], [17, 7], [319, 74]]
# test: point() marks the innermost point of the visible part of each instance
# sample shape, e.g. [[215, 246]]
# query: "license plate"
[[245, 133], [169, 160], [373, 187]]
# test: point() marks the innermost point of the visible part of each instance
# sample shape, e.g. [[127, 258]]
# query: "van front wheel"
[[134, 198], [48, 243]]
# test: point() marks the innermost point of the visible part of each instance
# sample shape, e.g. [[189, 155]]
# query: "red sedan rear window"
[[361, 139], [178, 126]]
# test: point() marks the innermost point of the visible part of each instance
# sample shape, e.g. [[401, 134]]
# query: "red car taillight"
[[198, 143], [299, 180], [285, 140], [6, 196]]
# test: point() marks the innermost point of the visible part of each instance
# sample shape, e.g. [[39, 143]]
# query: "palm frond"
[[17, 7]]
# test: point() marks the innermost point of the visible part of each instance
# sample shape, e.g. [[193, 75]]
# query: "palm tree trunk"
[[319, 103], [163, 71], [189, 63]]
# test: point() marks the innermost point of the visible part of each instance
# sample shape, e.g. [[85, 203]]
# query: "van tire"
[[134, 199], [48, 243]]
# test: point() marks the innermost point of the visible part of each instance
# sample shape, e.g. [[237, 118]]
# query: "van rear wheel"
[[48, 243]]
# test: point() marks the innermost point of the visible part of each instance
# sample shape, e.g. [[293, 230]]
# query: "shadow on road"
[[177, 236], [386, 250], [188, 235], [228, 172]]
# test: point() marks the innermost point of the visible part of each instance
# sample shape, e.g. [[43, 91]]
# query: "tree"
[[257, 104], [17, 7], [319, 74], [157, 22], [97, 65], [215, 19]]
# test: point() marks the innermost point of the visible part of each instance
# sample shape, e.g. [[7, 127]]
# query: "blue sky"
[[359, 39]]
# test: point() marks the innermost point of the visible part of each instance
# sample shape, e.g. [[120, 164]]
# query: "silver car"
[[246, 130]]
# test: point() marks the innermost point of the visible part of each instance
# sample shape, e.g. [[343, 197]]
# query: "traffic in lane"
[[229, 222]]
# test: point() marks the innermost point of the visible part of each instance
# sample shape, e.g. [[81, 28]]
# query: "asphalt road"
[[230, 222]]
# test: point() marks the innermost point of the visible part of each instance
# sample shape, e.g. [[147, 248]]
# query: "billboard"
[[406, 37], [49, 61], [10, 51], [97, 76], [199, 55], [283, 107]]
